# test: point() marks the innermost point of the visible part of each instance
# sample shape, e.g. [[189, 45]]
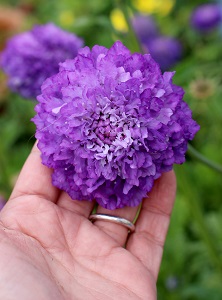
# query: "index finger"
[[35, 179]]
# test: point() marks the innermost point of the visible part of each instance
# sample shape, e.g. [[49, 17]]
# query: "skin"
[[50, 250]]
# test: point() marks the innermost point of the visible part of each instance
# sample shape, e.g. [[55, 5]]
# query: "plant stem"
[[211, 164], [135, 45], [137, 213]]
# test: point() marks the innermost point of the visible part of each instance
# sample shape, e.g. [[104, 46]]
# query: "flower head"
[[118, 20], [206, 17], [145, 27], [109, 123], [162, 7], [165, 50], [33, 56]]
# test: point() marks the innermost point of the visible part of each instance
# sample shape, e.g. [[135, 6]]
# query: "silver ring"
[[117, 220]]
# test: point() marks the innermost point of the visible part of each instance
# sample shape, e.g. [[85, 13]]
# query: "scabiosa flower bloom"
[[206, 17], [33, 56], [145, 27], [109, 123], [165, 50]]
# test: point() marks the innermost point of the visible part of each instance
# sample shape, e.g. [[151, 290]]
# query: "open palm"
[[50, 250]]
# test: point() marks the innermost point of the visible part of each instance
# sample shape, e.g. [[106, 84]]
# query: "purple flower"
[[145, 27], [33, 56], [206, 17], [109, 123], [165, 50]]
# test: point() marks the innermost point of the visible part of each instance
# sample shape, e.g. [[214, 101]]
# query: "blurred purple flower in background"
[[31, 57], [145, 27], [2, 202], [165, 50], [109, 123], [206, 17]]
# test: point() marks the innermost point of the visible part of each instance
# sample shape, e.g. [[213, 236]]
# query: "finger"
[[81, 208], [117, 232], [35, 179], [151, 227]]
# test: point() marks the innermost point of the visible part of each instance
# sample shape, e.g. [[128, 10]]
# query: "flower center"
[[110, 133], [105, 129]]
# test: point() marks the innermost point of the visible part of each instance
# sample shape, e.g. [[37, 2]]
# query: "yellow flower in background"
[[66, 18], [162, 7], [118, 20]]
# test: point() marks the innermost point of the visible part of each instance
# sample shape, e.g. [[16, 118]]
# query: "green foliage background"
[[192, 261]]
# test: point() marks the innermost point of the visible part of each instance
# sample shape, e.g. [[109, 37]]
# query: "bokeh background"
[[179, 40]]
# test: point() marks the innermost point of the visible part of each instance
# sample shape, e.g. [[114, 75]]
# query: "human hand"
[[50, 250]]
